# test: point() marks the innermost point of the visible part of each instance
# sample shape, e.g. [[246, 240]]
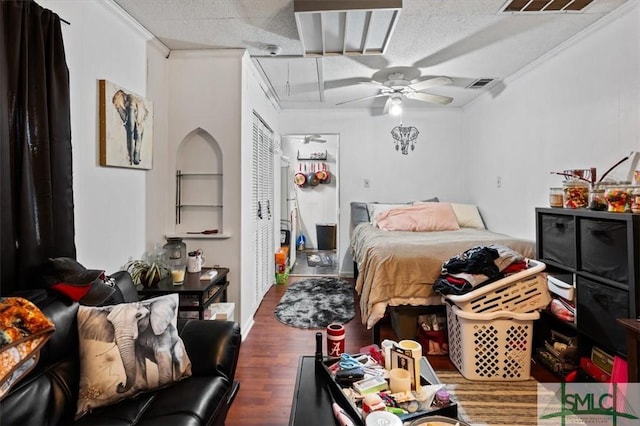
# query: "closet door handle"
[[259, 212]]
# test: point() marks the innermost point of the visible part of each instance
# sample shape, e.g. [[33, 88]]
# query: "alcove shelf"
[[314, 156], [181, 203], [199, 186]]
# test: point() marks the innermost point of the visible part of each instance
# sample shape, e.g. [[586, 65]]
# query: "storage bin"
[[326, 234], [561, 286], [494, 346], [524, 291], [598, 306], [220, 311], [603, 248], [557, 234]]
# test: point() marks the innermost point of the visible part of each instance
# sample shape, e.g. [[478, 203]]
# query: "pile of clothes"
[[478, 266]]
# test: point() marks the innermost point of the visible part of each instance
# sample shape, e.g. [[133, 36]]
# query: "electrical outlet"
[[366, 183], [498, 181]]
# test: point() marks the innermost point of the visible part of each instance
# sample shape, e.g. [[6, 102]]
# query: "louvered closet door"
[[262, 195]]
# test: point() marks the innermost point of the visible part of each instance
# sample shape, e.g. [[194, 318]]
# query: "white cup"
[[386, 347], [195, 263]]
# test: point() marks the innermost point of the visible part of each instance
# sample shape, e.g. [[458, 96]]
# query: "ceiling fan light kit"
[[395, 106]]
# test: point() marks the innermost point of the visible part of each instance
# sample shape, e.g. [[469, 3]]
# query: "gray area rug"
[[316, 303]]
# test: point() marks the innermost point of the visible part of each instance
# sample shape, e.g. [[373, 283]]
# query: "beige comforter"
[[400, 267]]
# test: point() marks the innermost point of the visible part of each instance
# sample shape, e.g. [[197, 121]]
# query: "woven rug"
[[316, 303], [512, 403]]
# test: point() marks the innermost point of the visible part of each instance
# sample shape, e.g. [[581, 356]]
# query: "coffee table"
[[312, 403]]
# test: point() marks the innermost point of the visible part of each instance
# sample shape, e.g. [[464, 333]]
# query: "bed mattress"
[[399, 267]]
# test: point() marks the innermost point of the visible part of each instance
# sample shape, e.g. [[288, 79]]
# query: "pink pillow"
[[419, 217]]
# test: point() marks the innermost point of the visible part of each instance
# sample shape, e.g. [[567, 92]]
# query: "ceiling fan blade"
[[375, 83], [429, 97], [344, 82], [362, 99], [432, 82]]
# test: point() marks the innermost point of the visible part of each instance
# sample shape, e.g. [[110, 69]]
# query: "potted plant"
[[147, 273]]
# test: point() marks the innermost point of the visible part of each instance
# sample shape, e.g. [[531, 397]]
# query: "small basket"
[[524, 291], [494, 346]]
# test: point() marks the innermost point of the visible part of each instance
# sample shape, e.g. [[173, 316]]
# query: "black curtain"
[[35, 153]]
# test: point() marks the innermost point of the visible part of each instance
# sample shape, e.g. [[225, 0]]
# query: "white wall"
[[578, 108], [110, 211], [367, 151]]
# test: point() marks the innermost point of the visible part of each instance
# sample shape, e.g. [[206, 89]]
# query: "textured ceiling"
[[462, 39]]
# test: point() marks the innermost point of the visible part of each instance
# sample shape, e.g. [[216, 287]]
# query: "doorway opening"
[[313, 210]]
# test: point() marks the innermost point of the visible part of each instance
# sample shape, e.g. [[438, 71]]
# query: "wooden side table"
[[632, 327], [195, 293]]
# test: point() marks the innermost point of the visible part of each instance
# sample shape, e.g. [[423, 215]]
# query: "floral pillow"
[[24, 329], [128, 348]]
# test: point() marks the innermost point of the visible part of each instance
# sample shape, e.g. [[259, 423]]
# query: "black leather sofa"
[[48, 395]]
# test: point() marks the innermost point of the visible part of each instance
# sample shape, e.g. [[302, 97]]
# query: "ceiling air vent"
[[480, 83], [537, 6]]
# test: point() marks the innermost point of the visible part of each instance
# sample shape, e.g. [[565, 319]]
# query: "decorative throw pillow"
[[24, 329], [468, 216], [377, 208], [128, 348], [419, 217]]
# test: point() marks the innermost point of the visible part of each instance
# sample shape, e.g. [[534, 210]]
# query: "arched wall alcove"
[[199, 184]]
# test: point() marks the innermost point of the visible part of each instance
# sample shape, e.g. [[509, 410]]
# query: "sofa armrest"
[[213, 346]]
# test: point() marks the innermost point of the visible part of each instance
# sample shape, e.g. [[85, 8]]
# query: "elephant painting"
[[145, 336], [404, 136], [133, 113]]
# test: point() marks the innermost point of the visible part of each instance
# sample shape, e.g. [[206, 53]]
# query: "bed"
[[397, 267]]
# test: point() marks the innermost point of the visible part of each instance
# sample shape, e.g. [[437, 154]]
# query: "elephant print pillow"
[[128, 348]]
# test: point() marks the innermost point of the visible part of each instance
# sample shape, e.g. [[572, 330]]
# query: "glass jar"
[[176, 251], [442, 398], [555, 197], [618, 198], [575, 194], [597, 200], [635, 202]]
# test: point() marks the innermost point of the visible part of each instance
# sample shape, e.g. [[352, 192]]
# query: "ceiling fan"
[[398, 86], [308, 138]]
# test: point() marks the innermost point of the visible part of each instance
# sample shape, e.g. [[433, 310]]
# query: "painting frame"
[[126, 127], [404, 360]]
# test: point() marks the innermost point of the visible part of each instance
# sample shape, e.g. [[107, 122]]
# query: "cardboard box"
[[602, 359], [221, 311], [594, 371]]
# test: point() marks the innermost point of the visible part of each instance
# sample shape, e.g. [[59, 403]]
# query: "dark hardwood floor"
[[269, 359]]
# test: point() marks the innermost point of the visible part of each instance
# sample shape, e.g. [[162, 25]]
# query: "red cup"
[[335, 340]]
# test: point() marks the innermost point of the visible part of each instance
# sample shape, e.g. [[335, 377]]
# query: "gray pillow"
[[359, 213]]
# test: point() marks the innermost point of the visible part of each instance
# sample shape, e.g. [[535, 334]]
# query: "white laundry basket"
[[494, 346], [524, 291]]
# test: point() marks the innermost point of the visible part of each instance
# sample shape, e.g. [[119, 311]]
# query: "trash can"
[[326, 233]]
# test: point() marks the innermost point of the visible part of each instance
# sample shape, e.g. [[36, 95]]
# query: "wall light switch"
[[366, 183], [499, 182]]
